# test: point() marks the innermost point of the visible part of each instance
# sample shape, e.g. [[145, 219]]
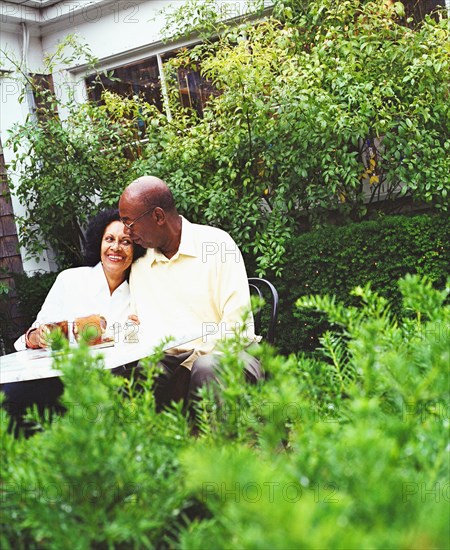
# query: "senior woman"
[[100, 288]]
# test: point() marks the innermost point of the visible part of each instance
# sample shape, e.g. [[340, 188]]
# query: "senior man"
[[192, 279]]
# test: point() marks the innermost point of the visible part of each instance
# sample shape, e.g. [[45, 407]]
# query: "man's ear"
[[160, 215]]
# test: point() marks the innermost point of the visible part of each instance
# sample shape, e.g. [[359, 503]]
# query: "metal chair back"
[[265, 290]]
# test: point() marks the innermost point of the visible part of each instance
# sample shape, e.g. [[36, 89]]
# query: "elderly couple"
[[191, 279]]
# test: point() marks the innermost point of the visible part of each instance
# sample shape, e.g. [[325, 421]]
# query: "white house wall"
[[12, 112], [113, 29]]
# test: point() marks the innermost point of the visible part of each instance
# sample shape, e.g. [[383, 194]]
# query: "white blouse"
[[83, 291]]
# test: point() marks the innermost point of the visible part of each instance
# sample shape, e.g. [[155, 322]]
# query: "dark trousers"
[[44, 394], [175, 383]]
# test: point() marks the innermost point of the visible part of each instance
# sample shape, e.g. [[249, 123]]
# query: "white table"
[[35, 364]]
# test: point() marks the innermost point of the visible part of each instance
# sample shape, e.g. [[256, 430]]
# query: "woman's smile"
[[115, 258]]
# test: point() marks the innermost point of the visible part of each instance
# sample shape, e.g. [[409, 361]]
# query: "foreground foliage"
[[348, 450]]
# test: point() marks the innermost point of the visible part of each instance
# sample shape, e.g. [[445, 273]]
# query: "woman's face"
[[116, 251]]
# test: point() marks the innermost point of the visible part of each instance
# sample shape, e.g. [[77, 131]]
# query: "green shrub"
[[67, 167], [320, 106], [334, 260], [347, 450], [347, 446], [31, 292], [323, 106], [102, 475]]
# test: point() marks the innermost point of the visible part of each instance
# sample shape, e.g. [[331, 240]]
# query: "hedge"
[[334, 260], [31, 292]]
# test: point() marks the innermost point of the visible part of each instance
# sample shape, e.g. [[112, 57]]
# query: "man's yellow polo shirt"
[[202, 290]]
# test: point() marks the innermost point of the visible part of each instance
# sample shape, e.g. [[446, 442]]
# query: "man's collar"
[[187, 245]]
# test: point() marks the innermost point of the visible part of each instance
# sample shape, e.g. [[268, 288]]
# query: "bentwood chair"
[[265, 317]]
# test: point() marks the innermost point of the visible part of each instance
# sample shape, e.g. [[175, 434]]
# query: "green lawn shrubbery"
[[345, 450], [334, 260]]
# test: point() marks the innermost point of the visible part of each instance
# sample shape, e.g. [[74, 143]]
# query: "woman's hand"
[[40, 336], [131, 329]]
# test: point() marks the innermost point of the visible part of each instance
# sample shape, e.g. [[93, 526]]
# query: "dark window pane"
[[44, 96], [417, 9], [135, 79], [195, 90]]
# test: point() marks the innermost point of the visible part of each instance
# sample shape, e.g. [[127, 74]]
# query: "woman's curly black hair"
[[94, 235]]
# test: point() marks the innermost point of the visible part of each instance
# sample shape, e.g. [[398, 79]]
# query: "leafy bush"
[[347, 450], [346, 446], [326, 108], [334, 260], [321, 106], [103, 475], [31, 292], [69, 166]]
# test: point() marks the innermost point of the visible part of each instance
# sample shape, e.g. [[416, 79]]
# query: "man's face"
[[138, 222]]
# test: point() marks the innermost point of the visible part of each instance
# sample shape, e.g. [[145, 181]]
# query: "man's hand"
[[91, 328], [134, 318]]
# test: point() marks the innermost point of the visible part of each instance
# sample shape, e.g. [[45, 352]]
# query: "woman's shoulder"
[[75, 273]]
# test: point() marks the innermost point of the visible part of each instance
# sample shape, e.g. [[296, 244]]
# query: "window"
[[194, 89], [417, 9], [43, 96], [135, 79], [143, 79]]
